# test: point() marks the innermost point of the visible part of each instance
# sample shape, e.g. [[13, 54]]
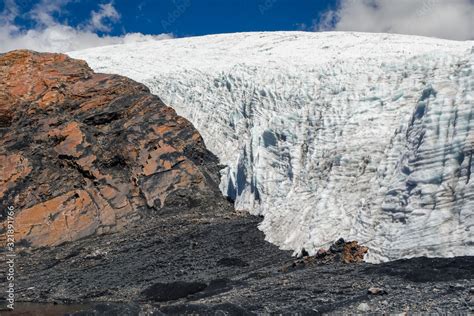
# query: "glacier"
[[368, 137]]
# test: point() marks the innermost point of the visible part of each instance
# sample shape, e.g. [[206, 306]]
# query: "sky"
[[66, 25]]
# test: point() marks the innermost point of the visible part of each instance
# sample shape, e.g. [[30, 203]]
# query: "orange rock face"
[[13, 168], [84, 153], [353, 252]]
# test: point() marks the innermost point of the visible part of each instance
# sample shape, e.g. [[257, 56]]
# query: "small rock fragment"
[[338, 246], [353, 253], [376, 291], [363, 307], [304, 253], [457, 287], [321, 253]]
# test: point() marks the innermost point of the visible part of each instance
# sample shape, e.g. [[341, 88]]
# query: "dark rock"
[[218, 284], [304, 253], [215, 287], [338, 246], [228, 309], [232, 262], [423, 269], [162, 292], [322, 253]]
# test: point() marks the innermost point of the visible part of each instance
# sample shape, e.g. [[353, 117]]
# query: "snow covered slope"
[[363, 136]]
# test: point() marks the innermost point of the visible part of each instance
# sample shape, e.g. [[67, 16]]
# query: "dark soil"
[[206, 261]]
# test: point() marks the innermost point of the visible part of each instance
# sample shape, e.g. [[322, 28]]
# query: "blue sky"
[[192, 17], [215, 16], [66, 25]]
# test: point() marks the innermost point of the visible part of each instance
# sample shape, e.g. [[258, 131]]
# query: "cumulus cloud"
[[99, 18], [451, 19], [48, 34], [42, 12], [10, 12]]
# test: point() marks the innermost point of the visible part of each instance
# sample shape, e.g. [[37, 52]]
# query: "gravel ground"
[[213, 259]]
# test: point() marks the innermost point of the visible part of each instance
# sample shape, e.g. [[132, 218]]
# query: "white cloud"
[[9, 13], [63, 38], [42, 13], [450, 19], [99, 18], [49, 35]]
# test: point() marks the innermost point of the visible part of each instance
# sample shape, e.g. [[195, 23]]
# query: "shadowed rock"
[[162, 292]]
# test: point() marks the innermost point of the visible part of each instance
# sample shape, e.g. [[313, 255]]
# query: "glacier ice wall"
[[363, 136]]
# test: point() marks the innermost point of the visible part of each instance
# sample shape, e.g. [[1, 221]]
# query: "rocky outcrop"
[[84, 153], [340, 251]]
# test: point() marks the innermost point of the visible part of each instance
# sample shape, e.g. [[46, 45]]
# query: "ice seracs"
[[368, 137]]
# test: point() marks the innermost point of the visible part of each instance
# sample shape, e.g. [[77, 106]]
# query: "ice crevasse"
[[369, 137]]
